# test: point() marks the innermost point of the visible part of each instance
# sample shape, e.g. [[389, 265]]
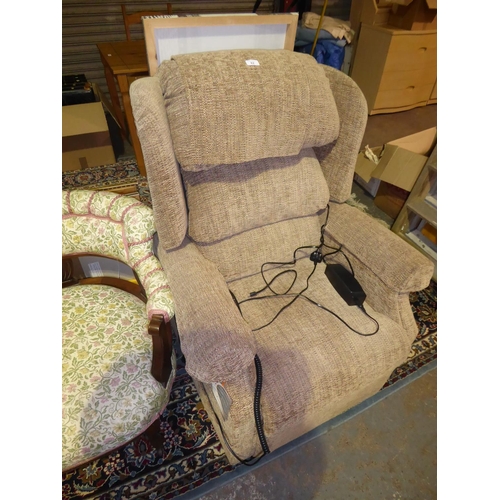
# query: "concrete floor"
[[391, 126], [387, 452]]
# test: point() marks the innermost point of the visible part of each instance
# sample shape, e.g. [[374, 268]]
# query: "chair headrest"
[[229, 107]]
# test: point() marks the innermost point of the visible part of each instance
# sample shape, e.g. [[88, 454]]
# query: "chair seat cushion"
[[314, 367], [109, 394]]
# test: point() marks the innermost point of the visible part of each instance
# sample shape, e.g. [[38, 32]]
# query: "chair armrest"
[[397, 264], [155, 284], [163, 356], [216, 341], [150, 274]]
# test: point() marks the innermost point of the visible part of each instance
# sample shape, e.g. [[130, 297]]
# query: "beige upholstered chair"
[[243, 159], [118, 362]]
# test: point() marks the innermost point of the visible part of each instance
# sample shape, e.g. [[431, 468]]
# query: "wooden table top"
[[125, 57]]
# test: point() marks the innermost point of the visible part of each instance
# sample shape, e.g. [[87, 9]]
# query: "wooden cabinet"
[[395, 69], [433, 98]]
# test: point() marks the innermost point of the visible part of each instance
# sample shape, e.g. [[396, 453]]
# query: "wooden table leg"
[[123, 84], [115, 100]]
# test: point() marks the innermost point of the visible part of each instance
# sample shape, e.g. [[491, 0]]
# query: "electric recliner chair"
[[249, 167]]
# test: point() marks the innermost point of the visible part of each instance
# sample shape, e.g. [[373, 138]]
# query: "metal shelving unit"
[[417, 221]]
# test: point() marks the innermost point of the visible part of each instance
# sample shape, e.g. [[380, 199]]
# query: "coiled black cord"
[[259, 424], [256, 406]]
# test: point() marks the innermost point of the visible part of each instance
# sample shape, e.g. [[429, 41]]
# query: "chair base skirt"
[[278, 440]]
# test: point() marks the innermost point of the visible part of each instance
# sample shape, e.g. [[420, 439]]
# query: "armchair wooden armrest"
[[159, 329]]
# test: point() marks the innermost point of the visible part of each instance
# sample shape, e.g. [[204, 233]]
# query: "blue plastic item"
[[307, 35], [325, 52]]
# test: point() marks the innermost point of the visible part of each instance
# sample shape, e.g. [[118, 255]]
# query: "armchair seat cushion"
[[313, 366], [108, 390]]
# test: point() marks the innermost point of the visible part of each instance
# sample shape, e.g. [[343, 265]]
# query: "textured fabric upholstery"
[[216, 341], [230, 199], [339, 159], [165, 183], [119, 227], [109, 393], [243, 254], [246, 209], [223, 111]]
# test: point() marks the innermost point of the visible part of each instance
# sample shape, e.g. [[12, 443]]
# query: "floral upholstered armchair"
[[118, 362], [250, 158]]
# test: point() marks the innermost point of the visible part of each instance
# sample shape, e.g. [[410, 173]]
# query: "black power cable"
[[343, 321], [256, 406], [291, 263], [316, 257], [287, 305]]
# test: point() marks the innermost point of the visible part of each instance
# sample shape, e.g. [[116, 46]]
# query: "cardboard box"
[[85, 137], [370, 187], [369, 12], [390, 199], [400, 163], [414, 14]]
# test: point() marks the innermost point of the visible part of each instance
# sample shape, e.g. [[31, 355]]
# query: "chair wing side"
[[164, 178], [339, 159]]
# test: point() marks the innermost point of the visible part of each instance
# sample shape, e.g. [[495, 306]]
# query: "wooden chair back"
[[135, 17]]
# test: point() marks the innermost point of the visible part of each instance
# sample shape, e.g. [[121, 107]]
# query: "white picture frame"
[[170, 35]]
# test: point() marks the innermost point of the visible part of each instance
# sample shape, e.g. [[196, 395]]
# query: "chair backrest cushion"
[[104, 223], [230, 199], [230, 107], [119, 227]]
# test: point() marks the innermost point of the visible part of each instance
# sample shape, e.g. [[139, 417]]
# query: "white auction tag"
[[252, 62]]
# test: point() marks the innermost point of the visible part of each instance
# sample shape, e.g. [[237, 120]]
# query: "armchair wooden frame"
[[136, 17]]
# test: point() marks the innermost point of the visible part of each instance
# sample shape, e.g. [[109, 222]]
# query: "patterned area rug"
[[123, 177], [192, 453]]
